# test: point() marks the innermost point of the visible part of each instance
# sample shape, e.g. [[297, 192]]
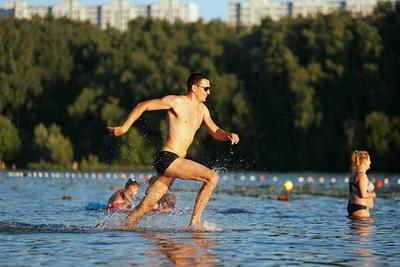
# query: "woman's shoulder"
[[359, 174]]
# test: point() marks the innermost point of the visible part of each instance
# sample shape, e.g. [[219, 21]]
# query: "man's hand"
[[116, 131], [234, 138]]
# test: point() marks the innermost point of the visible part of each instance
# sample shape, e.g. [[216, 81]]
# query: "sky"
[[208, 9]]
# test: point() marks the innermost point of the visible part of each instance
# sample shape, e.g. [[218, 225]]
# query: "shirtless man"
[[185, 114]]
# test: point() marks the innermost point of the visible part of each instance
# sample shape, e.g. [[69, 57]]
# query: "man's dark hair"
[[194, 78]]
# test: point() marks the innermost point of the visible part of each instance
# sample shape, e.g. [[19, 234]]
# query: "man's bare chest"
[[187, 117]]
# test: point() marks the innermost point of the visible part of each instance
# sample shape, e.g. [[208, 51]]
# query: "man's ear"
[[193, 88]]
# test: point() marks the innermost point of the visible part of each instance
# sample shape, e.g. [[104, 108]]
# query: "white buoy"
[[252, 178], [346, 180], [300, 179]]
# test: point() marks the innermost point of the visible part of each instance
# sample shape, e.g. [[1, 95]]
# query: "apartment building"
[[116, 14], [251, 12]]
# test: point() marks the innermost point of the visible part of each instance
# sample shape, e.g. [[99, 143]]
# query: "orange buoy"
[[378, 184], [66, 197], [283, 197]]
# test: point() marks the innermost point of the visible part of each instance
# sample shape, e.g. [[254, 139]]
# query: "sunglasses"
[[206, 88]]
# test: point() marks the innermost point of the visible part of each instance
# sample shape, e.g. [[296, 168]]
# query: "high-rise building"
[[68, 8], [171, 10], [116, 14], [251, 12]]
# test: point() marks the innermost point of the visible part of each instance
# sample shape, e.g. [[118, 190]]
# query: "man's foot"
[[130, 223], [196, 227]]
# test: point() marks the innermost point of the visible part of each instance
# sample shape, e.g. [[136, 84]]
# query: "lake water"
[[245, 224]]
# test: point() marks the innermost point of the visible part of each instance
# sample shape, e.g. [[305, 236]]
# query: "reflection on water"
[[362, 229], [193, 251]]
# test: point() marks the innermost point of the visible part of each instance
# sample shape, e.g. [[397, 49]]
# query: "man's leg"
[[190, 170], [156, 191]]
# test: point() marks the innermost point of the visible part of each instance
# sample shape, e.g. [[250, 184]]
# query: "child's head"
[[132, 182], [359, 157], [168, 201]]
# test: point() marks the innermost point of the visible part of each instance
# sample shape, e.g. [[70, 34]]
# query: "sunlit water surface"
[[38, 227]]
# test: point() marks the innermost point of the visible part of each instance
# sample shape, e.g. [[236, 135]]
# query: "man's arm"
[[216, 132], [149, 105]]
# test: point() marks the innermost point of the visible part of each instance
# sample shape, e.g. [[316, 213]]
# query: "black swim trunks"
[[163, 160]]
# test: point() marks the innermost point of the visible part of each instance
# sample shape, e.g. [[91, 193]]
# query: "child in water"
[[166, 203], [122, 199], [361, 190]]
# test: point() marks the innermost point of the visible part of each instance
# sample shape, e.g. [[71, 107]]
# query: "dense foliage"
[[301, 92]]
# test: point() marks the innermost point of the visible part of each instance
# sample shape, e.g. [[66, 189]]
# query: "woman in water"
[[122, 199], [361, 190]]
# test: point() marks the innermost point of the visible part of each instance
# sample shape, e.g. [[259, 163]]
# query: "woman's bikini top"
[[355, 188]]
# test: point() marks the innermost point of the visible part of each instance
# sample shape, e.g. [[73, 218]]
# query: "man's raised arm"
[[137, 111], [216, 132]]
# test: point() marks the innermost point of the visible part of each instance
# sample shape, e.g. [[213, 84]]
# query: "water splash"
[[18, 227], [211, 227], [220, 170], [113, 221]]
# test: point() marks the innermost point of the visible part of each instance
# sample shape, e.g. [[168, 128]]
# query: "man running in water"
[[185, 114]]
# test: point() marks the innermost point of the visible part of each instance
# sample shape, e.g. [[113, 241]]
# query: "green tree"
[[54, 147], [9, 140], [17, 50], [378, 128], [135, 150]]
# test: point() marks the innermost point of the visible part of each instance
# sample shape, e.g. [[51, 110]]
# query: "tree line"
[[301, 92]]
